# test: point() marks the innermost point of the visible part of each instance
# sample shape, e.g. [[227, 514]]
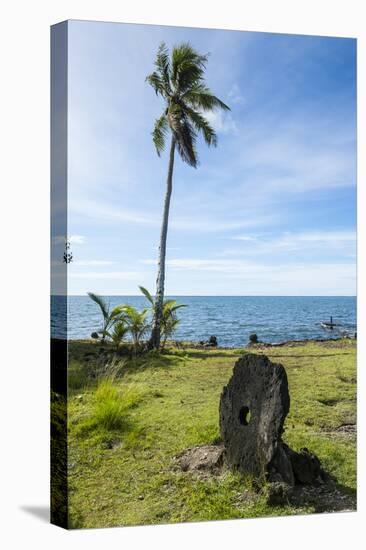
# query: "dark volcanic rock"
[[212, 341], [301, 468], [306, 466], [280, 468], [253, 408]]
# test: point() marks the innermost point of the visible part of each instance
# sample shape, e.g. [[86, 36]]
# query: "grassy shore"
[[126, 427]]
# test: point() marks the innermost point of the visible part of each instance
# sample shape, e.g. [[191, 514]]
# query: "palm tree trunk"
[[160, 280]]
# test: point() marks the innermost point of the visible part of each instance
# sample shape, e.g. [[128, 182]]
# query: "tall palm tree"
[[179, 80]]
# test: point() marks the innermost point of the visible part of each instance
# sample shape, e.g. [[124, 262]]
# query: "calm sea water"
[[230, 318]]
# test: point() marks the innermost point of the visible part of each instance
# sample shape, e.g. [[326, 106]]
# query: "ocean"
[[230, 318]]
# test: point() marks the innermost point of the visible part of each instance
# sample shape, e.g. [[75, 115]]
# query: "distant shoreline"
[[231, 319], [196, 345], [215, 295]]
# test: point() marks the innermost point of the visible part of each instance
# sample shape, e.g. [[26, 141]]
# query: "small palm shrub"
[[109, 317], [117, 335], [126, 319], [137, 324], [169, 320], [170, 325]]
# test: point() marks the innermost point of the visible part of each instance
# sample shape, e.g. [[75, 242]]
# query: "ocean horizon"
[[231, 319]]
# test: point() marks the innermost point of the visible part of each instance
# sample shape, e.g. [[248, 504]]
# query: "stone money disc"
[[253, 408]]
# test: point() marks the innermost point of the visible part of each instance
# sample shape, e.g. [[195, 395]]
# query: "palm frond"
[[156, 82], [199, 96], [180, 81], [170, 307], [101, 303], [120, 329], [116, 311], [171, 325], [131, 313], [184, 134], [187, 66], [186, 143], [202, 125], [169, 303], [144, 313], [159, 133], [162, 64], [147, 294], [178, 306]]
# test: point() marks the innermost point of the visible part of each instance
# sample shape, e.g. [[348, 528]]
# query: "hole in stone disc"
[[244, 416]]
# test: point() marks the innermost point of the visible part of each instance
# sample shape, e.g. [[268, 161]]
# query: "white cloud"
[[120, 275], [222, 122], [91, 263], [292, 156], [289, 241], [110, 213], [254, 278], [202, 224], [77, 239], [223, 266], [244, 238], [235, 96]]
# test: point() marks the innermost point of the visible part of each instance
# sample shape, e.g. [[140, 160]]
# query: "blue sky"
[[270, 211]]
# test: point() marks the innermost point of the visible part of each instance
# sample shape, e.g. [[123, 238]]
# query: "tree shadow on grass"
[[305, 355], [329, 497], [197, 354], [151, 361]]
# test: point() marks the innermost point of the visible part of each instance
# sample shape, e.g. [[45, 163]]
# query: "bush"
[[109, 409]]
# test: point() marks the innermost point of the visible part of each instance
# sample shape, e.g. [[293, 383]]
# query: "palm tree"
[[169, 320], [120, 329], [137, 324], [109, 317], [179, 80]]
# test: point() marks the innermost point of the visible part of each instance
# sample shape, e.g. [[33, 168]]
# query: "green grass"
[[125, 431], [109, 407]]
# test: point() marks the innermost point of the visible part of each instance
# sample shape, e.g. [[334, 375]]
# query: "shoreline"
[[186, 344]]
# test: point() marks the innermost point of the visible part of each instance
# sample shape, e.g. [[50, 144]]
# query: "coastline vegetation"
[[125, 321], [129, 416]]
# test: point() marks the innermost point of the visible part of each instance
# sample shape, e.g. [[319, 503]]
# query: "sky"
[[270, 211]]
